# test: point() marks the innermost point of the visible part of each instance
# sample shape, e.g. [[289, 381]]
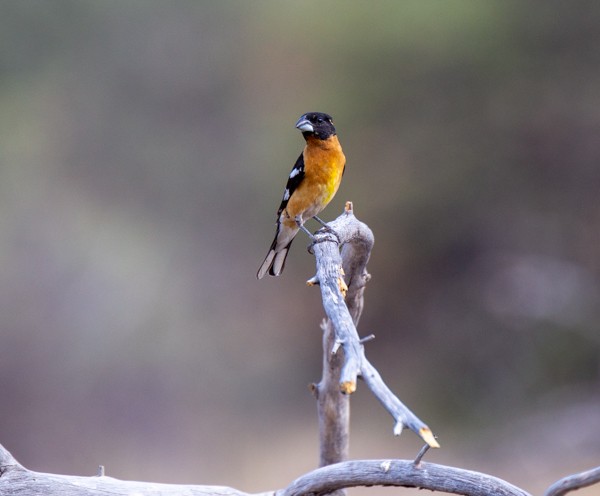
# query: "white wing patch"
[[286, 194], [294, 173]]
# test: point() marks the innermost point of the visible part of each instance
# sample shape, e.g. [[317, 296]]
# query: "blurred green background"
[[144, 148]]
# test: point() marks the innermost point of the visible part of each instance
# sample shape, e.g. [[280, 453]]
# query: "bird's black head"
[[316, 124]]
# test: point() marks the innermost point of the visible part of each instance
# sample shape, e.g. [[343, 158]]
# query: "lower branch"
[[16, 480], [399, 473], [573, 482]]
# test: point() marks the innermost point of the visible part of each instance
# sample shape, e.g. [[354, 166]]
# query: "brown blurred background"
[[144, 147]]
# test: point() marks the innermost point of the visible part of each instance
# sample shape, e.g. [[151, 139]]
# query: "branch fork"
[[343, 303]]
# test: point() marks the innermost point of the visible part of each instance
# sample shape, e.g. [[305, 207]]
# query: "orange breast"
[[324, 163]]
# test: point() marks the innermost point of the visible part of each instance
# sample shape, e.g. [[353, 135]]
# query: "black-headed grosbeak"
[[313, 182]]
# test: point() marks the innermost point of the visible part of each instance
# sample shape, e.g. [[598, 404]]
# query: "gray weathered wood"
[[400, 473], [333, 407], [573, 482], [16, 480], [356, 241]]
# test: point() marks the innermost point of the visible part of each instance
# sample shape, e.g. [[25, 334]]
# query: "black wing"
[[295, 178]]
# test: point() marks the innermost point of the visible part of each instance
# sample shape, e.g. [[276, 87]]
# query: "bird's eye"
[[320, 119]]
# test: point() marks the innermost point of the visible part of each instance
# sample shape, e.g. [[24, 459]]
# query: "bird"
[[311, 185]]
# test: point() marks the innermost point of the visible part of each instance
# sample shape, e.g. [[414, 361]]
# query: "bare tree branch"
[[356, 240], [399, 473], [333, 407], [573, 482], [16, 480]]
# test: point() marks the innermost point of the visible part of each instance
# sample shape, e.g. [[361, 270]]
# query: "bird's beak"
[[304, 125]]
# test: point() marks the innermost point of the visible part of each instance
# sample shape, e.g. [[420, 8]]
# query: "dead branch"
[[402, 473], [333, 407], [573, 482], [16, 480], [356, 240]]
